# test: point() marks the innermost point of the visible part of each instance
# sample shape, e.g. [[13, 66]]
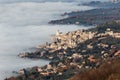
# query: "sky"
[[9, 1]]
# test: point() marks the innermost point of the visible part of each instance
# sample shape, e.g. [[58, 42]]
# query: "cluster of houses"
[[74, 61], [71, 39], [110, 33]]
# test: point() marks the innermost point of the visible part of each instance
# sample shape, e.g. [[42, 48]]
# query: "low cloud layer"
[[24, 25]]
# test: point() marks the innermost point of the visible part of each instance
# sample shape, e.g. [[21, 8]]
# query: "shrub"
[[107, 71]]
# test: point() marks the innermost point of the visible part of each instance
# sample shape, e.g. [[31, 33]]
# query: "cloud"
[[30, 13], [24, 25]]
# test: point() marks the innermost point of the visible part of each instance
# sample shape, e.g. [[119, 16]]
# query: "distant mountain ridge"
[[104, 12]]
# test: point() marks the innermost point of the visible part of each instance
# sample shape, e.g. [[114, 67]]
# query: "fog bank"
[[25, 25]]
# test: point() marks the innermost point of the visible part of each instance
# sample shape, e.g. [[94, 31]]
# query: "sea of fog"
[[25, 25]]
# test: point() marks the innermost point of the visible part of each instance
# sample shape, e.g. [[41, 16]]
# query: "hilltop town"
[[73, 52]]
